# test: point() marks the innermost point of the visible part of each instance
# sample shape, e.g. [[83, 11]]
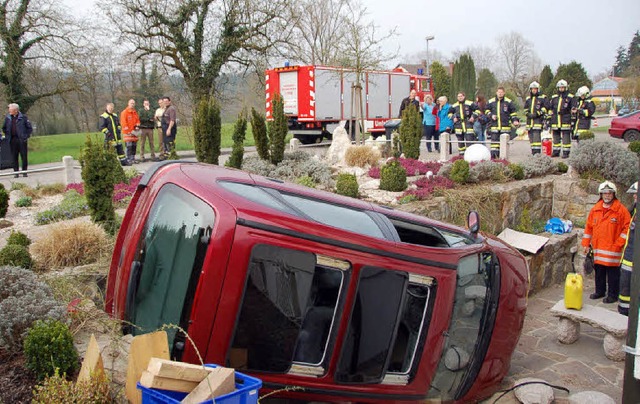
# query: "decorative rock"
[[613, 347], [5, 223], [339, 145], [294, 144], [590, 397], [475, 292], [533, 393], [568, 331], [456, 358]]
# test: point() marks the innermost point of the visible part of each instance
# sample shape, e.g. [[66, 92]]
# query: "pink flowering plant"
[[427, 187], [122, 192]]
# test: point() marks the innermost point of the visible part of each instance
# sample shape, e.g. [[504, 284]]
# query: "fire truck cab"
[[319, 98]]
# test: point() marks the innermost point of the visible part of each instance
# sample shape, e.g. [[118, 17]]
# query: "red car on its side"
[[626, 127]]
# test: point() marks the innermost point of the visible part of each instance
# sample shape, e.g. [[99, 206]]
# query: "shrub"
[[123, 191], [259, 131], [360, 156], [562, 167], [607, 159], [23, 300], [129, 174], [525, 223], [254, 164], [347, 185], [417, 167], [635, 146], [207, 128], [4, 201], [18, 238], [70, 245], [16, 186], [24, 202], [306, 181], [538, 165], [71, 206], [99, 166], [374, 172], [57, 389], [407, 198], [393, 177], [486, 170], [49, 346], [278, 129], [586, 135], [515, 171], [410, 132], [51, 189], [16, 255], [293, 166], [239, 133], [460, 172]]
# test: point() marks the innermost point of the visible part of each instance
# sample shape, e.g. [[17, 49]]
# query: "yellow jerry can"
[[573, 291]]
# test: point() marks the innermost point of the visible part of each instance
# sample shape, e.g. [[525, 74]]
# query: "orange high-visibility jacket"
[[129, 119], [606, 231]]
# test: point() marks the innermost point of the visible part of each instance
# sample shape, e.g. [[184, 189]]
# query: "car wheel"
[[631, 136]]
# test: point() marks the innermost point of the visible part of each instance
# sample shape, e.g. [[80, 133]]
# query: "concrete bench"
[[614, 324]]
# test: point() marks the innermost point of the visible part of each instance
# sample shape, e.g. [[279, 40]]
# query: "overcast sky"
[[588, 31]]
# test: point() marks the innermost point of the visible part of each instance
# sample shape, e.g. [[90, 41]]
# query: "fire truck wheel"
[[309, 139]]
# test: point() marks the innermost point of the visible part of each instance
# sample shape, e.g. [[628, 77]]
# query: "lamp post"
[[612, 110], [428, 38]]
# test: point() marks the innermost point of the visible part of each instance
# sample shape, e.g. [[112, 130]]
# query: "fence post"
[[444, 146], [69, 173], [504, 146]]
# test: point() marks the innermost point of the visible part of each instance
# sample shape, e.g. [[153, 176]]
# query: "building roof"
[[410, 68], [607, 87]]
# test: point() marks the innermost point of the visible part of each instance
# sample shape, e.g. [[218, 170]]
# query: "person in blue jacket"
[[18, 129], [445, 124], [429, 123]]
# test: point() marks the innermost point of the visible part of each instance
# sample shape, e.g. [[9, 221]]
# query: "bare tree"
[[483, 57], [520, 62], [319, 31], [41, 35], [199, 38]]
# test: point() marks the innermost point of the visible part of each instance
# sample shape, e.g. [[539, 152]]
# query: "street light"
[[612, 110], [428, 38]]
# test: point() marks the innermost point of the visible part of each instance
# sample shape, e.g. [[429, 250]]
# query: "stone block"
[[590, 397], [612, 322], [613, 347], [568, 331], [533, 391]]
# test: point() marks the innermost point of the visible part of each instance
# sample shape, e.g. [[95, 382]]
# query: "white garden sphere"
[[477, 152]]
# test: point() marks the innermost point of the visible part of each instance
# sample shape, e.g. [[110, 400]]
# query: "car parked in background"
[[626, 127], [624, 111]]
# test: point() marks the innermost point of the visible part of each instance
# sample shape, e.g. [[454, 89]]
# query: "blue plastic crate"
[[246, 392]]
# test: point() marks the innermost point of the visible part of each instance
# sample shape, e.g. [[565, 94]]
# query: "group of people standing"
[[564, 114], [138, 125]]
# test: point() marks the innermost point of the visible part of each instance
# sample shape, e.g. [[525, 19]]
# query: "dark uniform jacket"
[[536, 107], [406, 102], [560, 110], [23, 127], [505, 113], [464, 111], [585, 108], [109, 125]]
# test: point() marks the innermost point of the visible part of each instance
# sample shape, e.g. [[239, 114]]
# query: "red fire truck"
[[319, 98]]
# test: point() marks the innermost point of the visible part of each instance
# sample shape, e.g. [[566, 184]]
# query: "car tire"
[[631, 136]]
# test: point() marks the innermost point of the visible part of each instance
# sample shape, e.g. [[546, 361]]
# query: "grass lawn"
[[51, 149]]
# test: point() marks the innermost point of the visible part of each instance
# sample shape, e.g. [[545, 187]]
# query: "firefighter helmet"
[[607, 186], [533, 85], [633, 189], [562, 83], [583, 91]]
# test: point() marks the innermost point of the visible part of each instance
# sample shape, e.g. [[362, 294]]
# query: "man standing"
[[109, 125], [502, 113], [536, 107], [560, 117], [169, 126], [147, 122], [583, 110], [464, 113], [130, 122], [18, 128], [412, 99], [158, 119]]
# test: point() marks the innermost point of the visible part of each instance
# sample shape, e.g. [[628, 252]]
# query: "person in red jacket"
[[130, 122], [606, 233]]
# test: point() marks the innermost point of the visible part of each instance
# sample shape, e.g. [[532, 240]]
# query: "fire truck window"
[[336, 216], [410, 329], [372, 327], [288, 309]]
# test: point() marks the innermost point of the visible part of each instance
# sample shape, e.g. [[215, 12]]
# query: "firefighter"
[[606, 234], [464, 113], [626, 266], [502, 113], [536, 109], [109, 125], [582, 111], [560, 118]]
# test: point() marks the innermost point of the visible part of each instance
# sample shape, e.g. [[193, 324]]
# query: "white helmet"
[[562, 83], [583, 91], [607, 186], [633, 189], [535, 84]]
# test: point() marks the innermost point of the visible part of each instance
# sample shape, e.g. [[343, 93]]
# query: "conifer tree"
[[259, 130], [410, 133], [277, 130], [239, 133]]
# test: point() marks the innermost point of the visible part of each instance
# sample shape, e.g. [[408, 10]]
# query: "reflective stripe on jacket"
[[627, 257], [584, 113], [535, 107], [464, 112], [606, 232], [560, 110], [129, 119], [505, 113]]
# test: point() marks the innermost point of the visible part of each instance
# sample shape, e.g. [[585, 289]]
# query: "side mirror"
[[473, 221]]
